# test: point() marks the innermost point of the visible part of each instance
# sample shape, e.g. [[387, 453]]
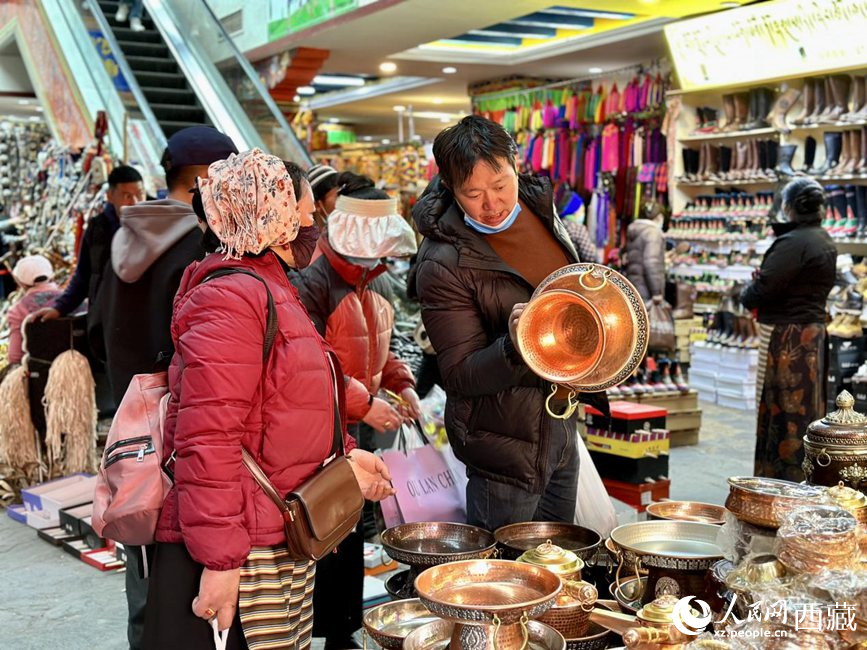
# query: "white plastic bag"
[[594, 508]]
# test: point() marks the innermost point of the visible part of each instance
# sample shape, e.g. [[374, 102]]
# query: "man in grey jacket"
[[156, 242]]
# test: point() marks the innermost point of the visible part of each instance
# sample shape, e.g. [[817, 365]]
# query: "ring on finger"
[[210, 613]]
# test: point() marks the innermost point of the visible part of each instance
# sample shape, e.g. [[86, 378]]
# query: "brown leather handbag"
[[323, 510]]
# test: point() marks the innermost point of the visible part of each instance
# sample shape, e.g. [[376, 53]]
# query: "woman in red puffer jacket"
[[218, 532]]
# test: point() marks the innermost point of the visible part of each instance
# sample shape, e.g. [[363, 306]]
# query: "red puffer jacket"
[[351, 307], [221, 399]]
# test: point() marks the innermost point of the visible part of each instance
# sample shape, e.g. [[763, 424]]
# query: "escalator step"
[[155, 50], [126, 35], [166, 80], [170, 126], [152, 64], [169, 95], [178, 112]]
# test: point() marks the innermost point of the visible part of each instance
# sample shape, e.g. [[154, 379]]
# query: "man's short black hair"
[[298, 177], [459, 148], [123, 174]]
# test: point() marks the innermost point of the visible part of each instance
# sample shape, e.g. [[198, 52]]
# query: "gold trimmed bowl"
[[516, 539], [390, 623], [706, 513]]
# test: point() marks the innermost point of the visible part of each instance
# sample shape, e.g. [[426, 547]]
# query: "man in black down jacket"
[[490, 238]]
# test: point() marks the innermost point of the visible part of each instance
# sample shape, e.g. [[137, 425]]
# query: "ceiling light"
[[595, 70], [23, 102], [296, 98], [337, 80], [306, 90], [39, 109], [367, 138], [399, 108], [386, 141], [449, 70], [388, 66], [437, 100], [445, 120], [334, 120]]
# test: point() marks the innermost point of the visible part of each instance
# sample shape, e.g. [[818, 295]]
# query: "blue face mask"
[[491, 230]]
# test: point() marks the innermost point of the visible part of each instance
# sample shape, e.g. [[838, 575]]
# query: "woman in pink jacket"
[[220, 541], [34, 275]]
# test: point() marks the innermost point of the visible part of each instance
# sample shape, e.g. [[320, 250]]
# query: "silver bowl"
[[438, 636], [390, 623]]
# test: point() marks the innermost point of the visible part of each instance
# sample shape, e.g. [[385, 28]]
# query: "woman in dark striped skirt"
[[790, 291]]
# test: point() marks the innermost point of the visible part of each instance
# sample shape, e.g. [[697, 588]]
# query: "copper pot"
[[835, 447], [585, 328]]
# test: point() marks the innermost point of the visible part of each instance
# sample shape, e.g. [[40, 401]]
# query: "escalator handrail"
[[217, 31], [128, 74]]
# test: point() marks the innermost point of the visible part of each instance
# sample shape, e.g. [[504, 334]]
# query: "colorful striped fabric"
[[276, 600]]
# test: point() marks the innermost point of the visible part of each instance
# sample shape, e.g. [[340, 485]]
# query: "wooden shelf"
[[701, 137], [828, 127], [851, 246], [726, 183]]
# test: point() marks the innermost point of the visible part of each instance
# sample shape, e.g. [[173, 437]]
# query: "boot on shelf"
[[820, 97], [809, 104], [833, 145], [845, 155], [837, 204], [840, 93], [861, 165], [702, 162], [786, 156], [827, 97], [773, 154], [711, 171], [781, 108], [850, 226], [861, 211], [859, 114], [809, 155], [741, 160], [742, 110], [760, 106], [858, 103], [725, 162], [728, 112], [854, 153]]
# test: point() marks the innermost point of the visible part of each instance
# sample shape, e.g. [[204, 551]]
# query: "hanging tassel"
[[18, 437], [70, 411]]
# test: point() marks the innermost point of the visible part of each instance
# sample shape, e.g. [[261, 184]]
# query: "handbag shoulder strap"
[[271, 322]]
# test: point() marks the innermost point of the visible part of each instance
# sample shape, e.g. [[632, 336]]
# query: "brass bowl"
[[430, 543], [767, 502], [561, 336], [684, 540], [706, 513], [481, 590], [400, 585], [755, 573], [628, 594], [390, 623], [619, 555], [624, 320], [515, 539], [438, 636]]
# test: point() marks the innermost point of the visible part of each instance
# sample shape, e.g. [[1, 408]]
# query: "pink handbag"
[[131, 485]]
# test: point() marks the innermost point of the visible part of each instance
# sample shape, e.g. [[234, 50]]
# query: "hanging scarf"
[[250, 203]]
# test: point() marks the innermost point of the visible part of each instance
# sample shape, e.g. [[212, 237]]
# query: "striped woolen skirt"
[[276, 600]]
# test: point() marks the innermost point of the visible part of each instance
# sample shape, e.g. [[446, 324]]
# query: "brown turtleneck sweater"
[[529, 247]]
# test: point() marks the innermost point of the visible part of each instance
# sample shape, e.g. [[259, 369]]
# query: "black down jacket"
[[495, 409], [795, 278], [645, 258]]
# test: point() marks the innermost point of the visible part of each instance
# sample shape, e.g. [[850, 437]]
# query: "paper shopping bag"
[[426, 488]]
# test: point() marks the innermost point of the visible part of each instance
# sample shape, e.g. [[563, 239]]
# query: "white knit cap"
[[369, 229], [31, 269], [319, 173]]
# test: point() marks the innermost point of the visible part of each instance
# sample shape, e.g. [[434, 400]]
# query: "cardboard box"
[[641, 444], [70, 518], [673, 403], [56, 536], [104, 559], [627, 417], [91, 537], [17, 513], [32, 496], [639, 496], [630, 470], [836, 344], [685, 437], [684, 420]]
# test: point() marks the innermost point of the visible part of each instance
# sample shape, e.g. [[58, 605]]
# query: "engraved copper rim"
[[624, 319], [389, 624], [476, 590], [424, 544], [596, 638], [706, 513], [515, 539], [766, 502]]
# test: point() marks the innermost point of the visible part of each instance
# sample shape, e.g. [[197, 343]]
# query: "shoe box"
[[627, 417], [631, 470], [638, 495], [44, 502], [859, 392], [845, 356]]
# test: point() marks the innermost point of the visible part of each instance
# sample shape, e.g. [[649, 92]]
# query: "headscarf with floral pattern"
[[250, 203]]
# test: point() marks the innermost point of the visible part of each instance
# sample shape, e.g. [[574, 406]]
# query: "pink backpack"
[[131, 485]]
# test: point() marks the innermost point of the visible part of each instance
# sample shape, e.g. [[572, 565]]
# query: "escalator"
[[173, 102]]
